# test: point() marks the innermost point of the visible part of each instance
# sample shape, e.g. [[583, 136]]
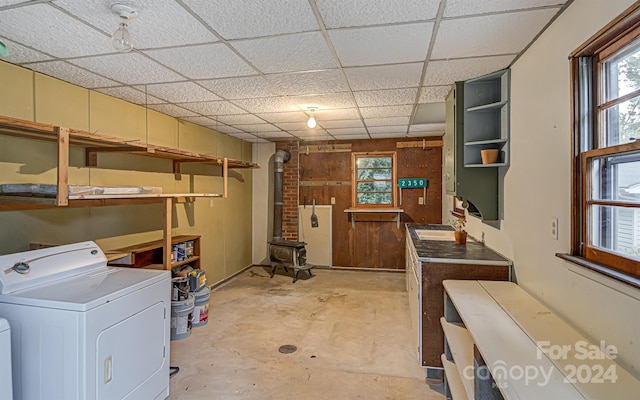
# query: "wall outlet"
[[333, 200], [554, 228], [211, 203], [420, 200]]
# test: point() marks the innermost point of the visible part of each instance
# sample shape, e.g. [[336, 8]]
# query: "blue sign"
[[411, 183]]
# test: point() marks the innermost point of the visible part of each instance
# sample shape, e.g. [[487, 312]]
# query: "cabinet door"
[[449, 144]]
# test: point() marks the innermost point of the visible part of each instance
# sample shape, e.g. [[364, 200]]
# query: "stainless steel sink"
[[427, 234]]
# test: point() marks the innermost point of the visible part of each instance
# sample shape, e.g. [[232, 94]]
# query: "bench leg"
[[295, 275], [273, 269]]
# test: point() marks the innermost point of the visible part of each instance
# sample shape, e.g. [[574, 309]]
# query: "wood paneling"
[[370, 244]]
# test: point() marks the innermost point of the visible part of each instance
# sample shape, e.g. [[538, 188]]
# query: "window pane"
[[622, 123], [374, 174], [622, 74], [374, 198], [381, 186], [616, 177], [616, 229], [374, 162]]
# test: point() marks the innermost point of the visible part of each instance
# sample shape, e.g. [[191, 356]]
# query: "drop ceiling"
[[252, 68]]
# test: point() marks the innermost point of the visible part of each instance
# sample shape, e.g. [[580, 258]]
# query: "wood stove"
[[288, 253]]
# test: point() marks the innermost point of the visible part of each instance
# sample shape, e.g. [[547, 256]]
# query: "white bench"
[[501, 343]]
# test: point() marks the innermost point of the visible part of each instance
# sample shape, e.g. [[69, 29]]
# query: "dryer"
[[83, 330], [6, 393]]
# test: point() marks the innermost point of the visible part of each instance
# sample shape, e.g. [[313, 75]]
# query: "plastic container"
[[201, 307], [197, 279], [181, 318], [179, 288]]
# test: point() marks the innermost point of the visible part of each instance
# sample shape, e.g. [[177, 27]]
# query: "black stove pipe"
[[281, 157]]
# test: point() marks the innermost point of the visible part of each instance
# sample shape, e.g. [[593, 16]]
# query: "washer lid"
[[30, 269], [89, 290], [4, 325]]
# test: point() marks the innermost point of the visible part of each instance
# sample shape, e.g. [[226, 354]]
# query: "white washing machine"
[[5, 361], [82, 330]]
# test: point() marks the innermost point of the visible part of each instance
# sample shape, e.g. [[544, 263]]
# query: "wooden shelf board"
[[152, 245], [374, 210], [454, 381], [487, 107], [481, 142], [486, 165], [99, 142], [16, 203], [185, 261], [461, 345]]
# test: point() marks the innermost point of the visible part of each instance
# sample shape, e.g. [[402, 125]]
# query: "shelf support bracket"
[[166, 234], [62, 197], [225, 177]]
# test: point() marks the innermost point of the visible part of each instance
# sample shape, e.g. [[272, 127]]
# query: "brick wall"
[[290, 192]]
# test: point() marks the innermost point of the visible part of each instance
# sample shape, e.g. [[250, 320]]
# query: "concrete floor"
[[351, 329]]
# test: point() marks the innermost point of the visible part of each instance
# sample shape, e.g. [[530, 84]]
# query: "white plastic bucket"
[[181, 316], [201, 308]]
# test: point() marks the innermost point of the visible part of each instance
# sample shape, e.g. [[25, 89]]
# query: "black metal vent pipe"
[[281, 157]]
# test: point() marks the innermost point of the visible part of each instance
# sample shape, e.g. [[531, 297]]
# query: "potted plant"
[[460, 234]]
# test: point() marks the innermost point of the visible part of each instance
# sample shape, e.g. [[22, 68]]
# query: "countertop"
[[449, 252]]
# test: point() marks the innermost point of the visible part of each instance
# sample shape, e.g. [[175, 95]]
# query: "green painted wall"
[[224, 224]]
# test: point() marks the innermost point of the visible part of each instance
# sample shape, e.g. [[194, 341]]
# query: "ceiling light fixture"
[[311, 123], [122, 40]]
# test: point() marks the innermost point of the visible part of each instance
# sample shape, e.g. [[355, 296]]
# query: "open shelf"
[[485, 165], [461, 344], [150, 254], [486, 142], [454, 381], [487, 107]]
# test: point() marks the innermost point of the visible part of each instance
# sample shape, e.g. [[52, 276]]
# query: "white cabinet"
[[414, 288]]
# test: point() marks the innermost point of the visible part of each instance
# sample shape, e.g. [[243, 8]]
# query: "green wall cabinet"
[[477, 118]]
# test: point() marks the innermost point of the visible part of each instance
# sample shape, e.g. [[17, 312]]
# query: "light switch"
[[333, 200], [420, 200]]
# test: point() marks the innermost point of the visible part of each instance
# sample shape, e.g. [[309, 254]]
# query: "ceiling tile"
[[385, 135], [351, 137], [243, 136], [344, 123], [130, 68], [384, 76], [225, 129], [160, 23], [240, 88], [72, 74], [422, 128], [235, 19], [490, 34], [456, 8], [308, 132], [347, 131], [173, 110], [382, 44], [56, 33], [21, 54], [266, 104], [386, 121], [313, 82], [388, 97], [204, 121], [240, 119], [289, 53], [292, 116], [129, 94], [387, 111], [447, 72], [316, 138], [375, 130], [325, 101], [4, 3], [181, 92], [292, 126], [213, 108], [203, 61], [340, 13], [275, 134], [338, 114], [257, 127], [434, 94]]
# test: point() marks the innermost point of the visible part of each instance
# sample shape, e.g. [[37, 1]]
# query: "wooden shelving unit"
[[94, 144], [150, 254]]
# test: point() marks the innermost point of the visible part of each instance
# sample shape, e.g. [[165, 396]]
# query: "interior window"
[[606, 186], [374, 179]]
